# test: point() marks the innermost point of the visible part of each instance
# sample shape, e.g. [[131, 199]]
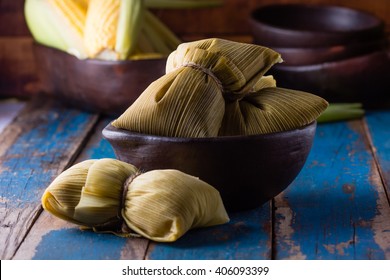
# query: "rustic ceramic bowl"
[[307, 56], [247, 170], [363, 79], [302, 26], [108, 87]]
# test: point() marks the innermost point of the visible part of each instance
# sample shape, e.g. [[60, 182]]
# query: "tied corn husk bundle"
[[109, 195], [216, 87], [105, 29]]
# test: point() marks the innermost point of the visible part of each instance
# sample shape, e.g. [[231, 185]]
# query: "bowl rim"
[[39, 47], [333, 64], [110, 129], [379, 23]]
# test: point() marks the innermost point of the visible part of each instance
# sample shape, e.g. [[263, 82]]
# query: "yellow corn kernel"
[[74, 11], [100, 26]]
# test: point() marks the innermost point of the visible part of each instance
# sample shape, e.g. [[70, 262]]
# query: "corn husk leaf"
[[88, 193], [161, 205], [129, 26], [271, 109], [342, 112], [58, 24]]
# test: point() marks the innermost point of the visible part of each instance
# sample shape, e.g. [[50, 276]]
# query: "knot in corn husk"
[[108, 195], [237, 66], [217, 87]]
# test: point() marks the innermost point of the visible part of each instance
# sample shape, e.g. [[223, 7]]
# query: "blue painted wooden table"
[[337, 208]]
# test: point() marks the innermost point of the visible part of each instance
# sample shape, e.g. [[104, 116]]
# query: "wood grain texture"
[[247, 236], [337, 207], [12, 22], [17, 71], [52, 238], [378, 129], [38, 145]]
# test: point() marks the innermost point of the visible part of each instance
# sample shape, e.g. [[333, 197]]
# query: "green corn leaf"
[[129, 25], [341, 112]]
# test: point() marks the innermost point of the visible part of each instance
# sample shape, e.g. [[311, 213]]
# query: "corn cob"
[[100, 27]]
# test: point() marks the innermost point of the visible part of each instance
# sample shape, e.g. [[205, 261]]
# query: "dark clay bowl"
[[108, 87], [363, 79], [302, 26], [247, 170], [307, 56]]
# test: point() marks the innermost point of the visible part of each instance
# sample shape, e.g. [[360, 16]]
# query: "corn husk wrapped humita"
[[109, 195], [216, 87]]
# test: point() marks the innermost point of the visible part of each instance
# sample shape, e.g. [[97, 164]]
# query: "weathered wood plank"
[[246, 236], [36, 147], [379, 131], [51, 238], [336, 208]]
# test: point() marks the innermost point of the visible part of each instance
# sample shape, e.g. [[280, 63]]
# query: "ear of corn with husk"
[[105, 29], [216, 87], [108, 195]]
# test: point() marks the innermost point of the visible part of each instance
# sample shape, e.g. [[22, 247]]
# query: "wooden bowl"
[[307, 56], [363, 79], [247, 170], [108, 87], [302, 26]]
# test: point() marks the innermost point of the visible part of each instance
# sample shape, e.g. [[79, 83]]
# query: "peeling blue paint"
[[102, 148], [27, 166], [246, 236], [379, 126], [329, 222], [74, 244]]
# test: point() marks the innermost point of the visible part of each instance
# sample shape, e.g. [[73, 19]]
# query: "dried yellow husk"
[[189, 101], [164, 204], [109, 195], [271, 109]]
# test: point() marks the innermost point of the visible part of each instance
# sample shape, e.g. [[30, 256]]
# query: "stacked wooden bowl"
[[338, 53]]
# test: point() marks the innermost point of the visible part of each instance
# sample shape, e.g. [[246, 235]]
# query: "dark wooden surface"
[[337, 207]]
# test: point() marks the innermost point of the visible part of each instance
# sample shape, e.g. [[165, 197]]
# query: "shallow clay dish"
[[301, 25], [363, 79], [247, 170], [108, 87]]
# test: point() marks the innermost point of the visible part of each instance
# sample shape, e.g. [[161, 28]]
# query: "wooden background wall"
[[17, 65]]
